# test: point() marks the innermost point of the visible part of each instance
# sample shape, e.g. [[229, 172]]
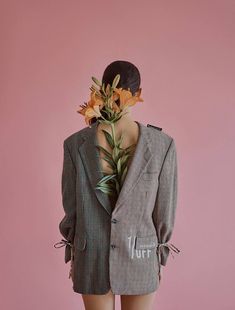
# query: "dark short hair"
[[129, 76]]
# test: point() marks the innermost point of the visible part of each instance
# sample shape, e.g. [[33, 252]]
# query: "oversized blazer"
[[119, 247]]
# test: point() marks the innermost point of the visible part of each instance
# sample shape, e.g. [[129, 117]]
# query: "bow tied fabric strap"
[[68, 252], [68, 248], [171, 248], [62, 243]]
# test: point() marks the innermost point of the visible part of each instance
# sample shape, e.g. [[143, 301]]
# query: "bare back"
[[130, 133]]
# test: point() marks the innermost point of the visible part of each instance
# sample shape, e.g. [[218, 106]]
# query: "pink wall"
[[185, 52]]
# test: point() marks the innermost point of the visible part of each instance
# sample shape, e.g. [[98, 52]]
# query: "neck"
[[124, 121]]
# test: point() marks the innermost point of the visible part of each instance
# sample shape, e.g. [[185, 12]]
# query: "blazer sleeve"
[[68, 190], [166, 203]]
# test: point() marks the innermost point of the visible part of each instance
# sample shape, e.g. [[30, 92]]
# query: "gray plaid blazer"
[[121, 249]]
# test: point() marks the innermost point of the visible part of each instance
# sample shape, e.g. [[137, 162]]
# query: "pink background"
[[185, 53]]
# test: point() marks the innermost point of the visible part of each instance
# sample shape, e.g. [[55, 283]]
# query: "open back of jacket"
[[121, 249]]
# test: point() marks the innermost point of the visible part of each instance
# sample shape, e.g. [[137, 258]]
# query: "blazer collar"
[[91, 160]]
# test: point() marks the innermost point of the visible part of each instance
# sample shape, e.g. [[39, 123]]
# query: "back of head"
[[129, 76]]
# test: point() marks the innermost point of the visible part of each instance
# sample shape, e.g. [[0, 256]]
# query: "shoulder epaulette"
[[159, 128]]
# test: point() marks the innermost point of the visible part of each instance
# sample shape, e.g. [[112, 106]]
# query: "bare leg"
[[137, 302], [99, 302]]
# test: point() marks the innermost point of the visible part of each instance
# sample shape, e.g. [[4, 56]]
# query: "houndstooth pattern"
[[123, 246]]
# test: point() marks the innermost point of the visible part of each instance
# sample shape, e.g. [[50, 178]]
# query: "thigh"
[[99, 302], [137, 302]]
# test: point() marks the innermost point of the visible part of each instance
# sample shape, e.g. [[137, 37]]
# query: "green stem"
[[113, 133], [103, 117], [114, 141]]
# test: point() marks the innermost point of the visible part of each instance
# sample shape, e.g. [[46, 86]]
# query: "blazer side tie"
[[171, 248], [62, 243], [69, 247]]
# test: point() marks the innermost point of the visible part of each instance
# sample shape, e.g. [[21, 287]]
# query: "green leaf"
[[110, 162], [119, 166], [104, 186], [117, 186], [115, 81], [105, 190], [119, 142], [109, 138], [92, 88], [115, 154], [106, 178], [124, 160], [130, 148], [104, 150], [103, 88], [109, 110], [123, 176], [96, 81]]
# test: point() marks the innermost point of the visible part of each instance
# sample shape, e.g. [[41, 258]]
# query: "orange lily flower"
[[126, 97], [92, 108]]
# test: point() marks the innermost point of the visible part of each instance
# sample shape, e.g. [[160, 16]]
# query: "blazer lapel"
[[91, 160], [139, 162]]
